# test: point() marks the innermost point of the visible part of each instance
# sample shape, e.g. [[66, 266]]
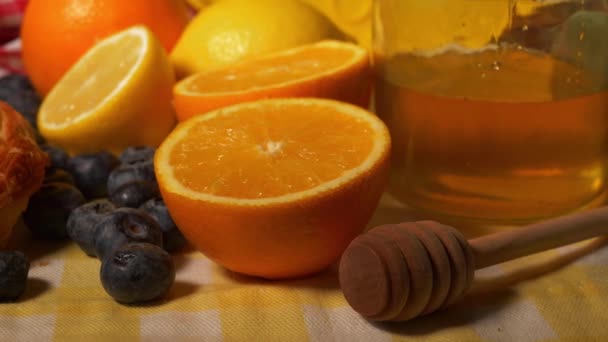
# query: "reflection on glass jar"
[[498, 109]]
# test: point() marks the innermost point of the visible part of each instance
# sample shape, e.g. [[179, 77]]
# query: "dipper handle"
[[504, 246]]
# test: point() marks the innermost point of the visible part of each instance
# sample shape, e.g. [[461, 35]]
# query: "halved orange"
[[275, 188], [327, 69]]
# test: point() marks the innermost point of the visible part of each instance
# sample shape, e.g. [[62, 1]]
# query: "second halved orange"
[[328, 69]]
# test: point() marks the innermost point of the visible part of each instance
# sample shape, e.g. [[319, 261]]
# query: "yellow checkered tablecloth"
[[560, 295]]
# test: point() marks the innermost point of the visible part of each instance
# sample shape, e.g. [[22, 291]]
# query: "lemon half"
[[117, 95]]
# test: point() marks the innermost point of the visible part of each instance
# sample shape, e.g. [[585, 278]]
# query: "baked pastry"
[[22, 167]]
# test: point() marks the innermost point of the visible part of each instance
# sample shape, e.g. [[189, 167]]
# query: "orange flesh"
[[271, 71], [270, 151]]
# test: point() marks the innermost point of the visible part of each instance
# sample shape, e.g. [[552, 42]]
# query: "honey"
[[501, 134]]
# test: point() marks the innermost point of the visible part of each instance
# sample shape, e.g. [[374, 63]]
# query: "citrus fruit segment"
[[274, 188], [117, 95], [55, 34], [327, 69], [229, 31]]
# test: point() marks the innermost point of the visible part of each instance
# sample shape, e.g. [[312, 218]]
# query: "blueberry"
[[48, 210], [54, 175], [14, 268], [173, 239], [137, 272], [91, 172], [122, 226], [82, 221], [59, 158], [17, 91], [130, 172], [136, 154], [134, 194]]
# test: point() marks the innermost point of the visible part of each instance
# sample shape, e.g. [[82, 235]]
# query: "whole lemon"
[[353, 17], [231, 30]]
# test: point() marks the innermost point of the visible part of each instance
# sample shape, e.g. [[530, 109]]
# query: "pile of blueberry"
[[111, 207]]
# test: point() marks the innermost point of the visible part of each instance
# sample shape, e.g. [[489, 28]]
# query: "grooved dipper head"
[[397, 272]]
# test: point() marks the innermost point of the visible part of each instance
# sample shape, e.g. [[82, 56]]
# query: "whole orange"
[[56, 33]]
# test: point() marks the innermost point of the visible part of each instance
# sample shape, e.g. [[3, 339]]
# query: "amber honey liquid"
[[501, 135]]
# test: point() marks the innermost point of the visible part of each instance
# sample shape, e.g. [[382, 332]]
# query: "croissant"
[[22, 168]]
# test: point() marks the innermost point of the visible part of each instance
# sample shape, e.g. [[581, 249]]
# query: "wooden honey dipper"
[[397, 272]]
